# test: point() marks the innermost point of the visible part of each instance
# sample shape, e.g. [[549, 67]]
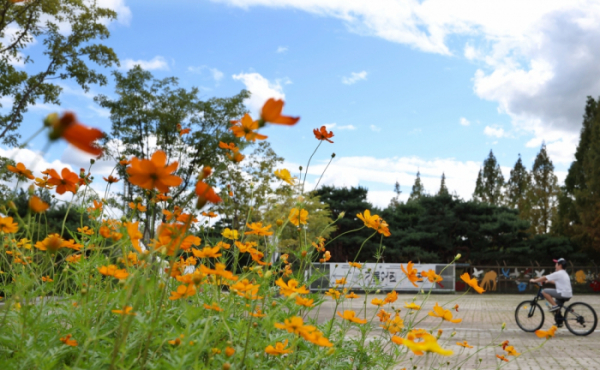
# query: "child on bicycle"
[[561, 280]]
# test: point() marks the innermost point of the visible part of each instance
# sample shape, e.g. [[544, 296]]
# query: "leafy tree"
[[66, 55], [145, 117], [417, 190], [543, 194], [443, 188], [349, 202], [490, 182]]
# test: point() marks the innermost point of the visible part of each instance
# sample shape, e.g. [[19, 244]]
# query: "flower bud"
[[331, 351], [341, 215], [279, 222], [51, 119], [92, 161], [457, 257], [268, 274], [226, 366], [303, 253], [31, 190], [503, 325]]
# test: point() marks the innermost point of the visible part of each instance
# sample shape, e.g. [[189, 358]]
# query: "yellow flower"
[[464, 344], [125, 311], [290, 288], [230, 234], [298, 217], [351, 316], [412, 306], [377, 302], [444, 314], [285, 175], [52, 243], [431, 276], [391, 297], [306, 302], [511, 351], [351, 295], [471, 282], [355, 264], [112, 270], [213, 307], [374, 222], [8, 226], [428, 344], [394, 325], [68, 341], [333, 293], [183, 291], [256, 228], [546, 333], [207, 252]]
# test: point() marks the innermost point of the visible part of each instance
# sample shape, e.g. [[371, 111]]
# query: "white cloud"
[[537, 59], [214, 72], [282, 49], [464, 121], [375, 128], [354, 77], [260, 88], [156, 63], [330, 126], [494, 131]]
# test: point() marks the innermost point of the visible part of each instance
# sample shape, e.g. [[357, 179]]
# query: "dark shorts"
[[554, 294]]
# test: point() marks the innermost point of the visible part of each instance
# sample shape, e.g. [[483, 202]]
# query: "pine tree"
[[517, 187], [543, 193], [443, 189], [490, 182], [395, 201], [417, 190]]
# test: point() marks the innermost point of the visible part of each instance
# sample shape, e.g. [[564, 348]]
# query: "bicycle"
[[580, 318]]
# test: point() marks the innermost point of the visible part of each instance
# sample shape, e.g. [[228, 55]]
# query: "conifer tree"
[[443, 189], [417, 190], [395, 201], [490, 182], [543, 193], [517, 187]]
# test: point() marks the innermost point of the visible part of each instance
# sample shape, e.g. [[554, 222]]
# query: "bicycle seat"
[[561, 301]]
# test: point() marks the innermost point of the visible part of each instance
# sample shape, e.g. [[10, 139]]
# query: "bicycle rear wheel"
[[581, 318], [529, 316]]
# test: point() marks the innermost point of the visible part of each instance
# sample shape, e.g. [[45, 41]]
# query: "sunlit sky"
[[405, 86]]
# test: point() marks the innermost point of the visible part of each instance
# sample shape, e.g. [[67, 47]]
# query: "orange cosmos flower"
[[183, 291], [431, 276], [271, 112], [125, 311], [355, 264], [246, 129], [52, 243], [111, 179], [230, 146], [205, 194], [512, 351], [209, 214], [411, 273], [374, 222], [502, 358], [258, 313], [214, 307], [230, 234], [352, 295], [377, 302], [43, 183], [428, 344], [134, 234], [504, 344], [154, 173], [74, 258], [546, 333], [472, 282], [184, 131], [306, 302], [76, 134], [37, 205], [341, 281], [85, 230], [298, 217], [444, 314], [139, 206], [394, 325], [112, 270], [391, 297], [68, 182], [256, 228], [207, 252], [162, 198], [383, 315], [97, 206], [279, 349], [456, 307], [46, 279], [229, 351], [21, 170], [68, 341], [351, 316], [322, 134], [326, 257], [8, 226], [290, 288], [218, 271], [464, 344], [334, 294]]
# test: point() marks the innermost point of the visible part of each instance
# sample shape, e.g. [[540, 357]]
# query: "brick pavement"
[[483, 316]]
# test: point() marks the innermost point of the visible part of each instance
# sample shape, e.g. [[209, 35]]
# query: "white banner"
[[384, 276]]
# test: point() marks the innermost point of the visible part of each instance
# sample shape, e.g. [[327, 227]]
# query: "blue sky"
[[405, 86]]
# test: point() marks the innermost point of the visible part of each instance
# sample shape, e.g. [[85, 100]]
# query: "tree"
[[66, 55], [395, 201], [417, 190], [517, 188], [443, 189], [148, 115], [490, 182], [543, 194], [349, 202]]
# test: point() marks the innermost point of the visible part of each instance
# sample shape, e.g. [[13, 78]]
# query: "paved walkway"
[[483, 316]]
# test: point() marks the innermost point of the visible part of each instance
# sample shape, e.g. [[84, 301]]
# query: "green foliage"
[[349, 202], [65, 55], [543, 193], [517, 188], [443, 188]]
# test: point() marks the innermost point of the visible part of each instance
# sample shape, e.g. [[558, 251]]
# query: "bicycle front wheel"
[[581, 319], [529, 316]]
